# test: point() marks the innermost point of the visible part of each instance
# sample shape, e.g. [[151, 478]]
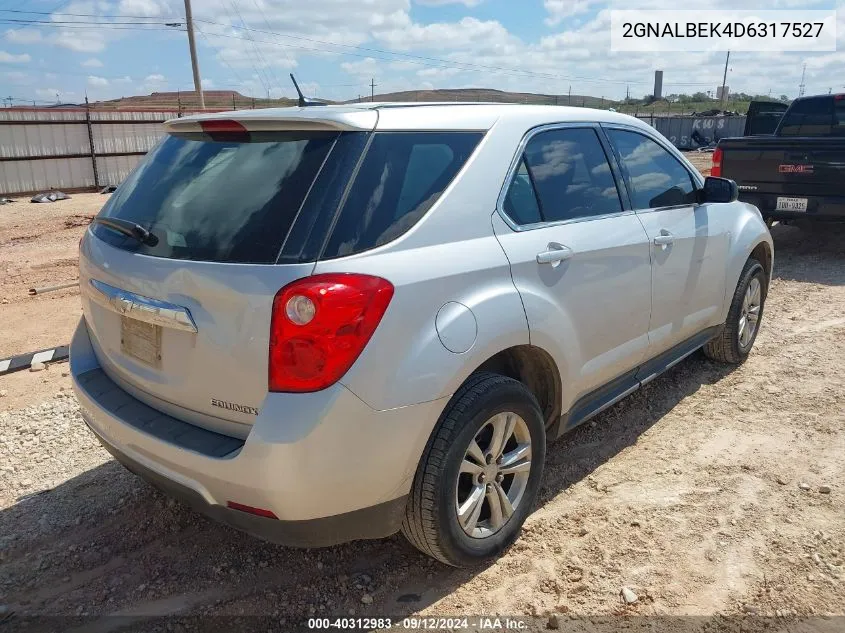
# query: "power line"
[[448, 63], [83, 15], [254, 62], [84, 22], [267, 22], [88, 27], [262, 62], [393, 55], [240, 81]]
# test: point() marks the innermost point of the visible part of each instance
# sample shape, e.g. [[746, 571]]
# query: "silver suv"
[[321, 324]]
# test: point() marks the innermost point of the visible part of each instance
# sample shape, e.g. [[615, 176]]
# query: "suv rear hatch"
[[183, 263], [182, 320]]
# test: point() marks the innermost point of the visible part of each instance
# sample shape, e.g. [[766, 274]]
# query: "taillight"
[[224, 130], [716, 169], [267, 514], [320, 325]]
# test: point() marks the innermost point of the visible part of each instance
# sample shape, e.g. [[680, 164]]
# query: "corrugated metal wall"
[[679, 130], [43, 149]]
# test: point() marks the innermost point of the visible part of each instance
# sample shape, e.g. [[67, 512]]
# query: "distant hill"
[[489, 95], [214, 100], [232, 99]]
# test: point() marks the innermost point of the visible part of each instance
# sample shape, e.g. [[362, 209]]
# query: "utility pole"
[[627, 93], [189, 23], [725, 78], [373, 89], [569, 99], [801, 87]]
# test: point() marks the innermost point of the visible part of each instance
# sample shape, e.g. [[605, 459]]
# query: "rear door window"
[[401, 176], [654, 177], [815, 116], [218, 200], [564, 174], [521, 202]]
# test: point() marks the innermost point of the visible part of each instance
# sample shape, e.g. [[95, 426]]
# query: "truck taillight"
[[716, 169], [319, 327]]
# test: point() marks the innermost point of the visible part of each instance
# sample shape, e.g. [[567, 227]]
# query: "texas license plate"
[[791, 204], [141, 340]]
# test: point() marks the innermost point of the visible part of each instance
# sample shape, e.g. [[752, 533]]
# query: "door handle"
[[555, 255], [664, 239]]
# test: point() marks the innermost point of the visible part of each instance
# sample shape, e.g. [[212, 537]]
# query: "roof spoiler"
[[304, 101]]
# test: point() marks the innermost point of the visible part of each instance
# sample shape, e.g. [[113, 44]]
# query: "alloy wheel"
[[749, 315], [493, 475]]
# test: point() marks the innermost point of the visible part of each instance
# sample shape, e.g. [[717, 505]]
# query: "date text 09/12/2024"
[[420, 623]]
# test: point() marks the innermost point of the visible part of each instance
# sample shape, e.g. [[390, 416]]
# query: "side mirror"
[[719, 190]]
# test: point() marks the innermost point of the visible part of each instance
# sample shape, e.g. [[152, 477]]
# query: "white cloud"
[[559, 10], [18, 77], [92, 62], [80, 41], [207, 84], [23, 36], [367, 67], [146, 8], [51, 94], [9, 58], [437, 73], [572, 48], [154, 83], [437, 3], [93, 80]]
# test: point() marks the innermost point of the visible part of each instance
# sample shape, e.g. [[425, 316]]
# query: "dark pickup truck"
[[798, 172]]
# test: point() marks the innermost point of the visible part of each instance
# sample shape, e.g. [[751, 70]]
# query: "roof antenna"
[[303, 100]]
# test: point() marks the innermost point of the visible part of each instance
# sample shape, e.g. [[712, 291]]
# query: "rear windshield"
[[816, 116], [217, 200], [284, 197]]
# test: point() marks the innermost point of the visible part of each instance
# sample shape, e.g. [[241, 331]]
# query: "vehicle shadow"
[[104, 542], [813, 253]]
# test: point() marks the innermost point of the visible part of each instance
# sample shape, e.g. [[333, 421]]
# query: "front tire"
[[478, 478], [737, 337]]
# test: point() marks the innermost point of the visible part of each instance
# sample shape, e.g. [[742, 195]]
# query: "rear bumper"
[[819, 208], [373, 522], [328, 466]]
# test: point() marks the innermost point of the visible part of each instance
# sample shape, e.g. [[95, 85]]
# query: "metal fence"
[[72, 149], [52, 148]]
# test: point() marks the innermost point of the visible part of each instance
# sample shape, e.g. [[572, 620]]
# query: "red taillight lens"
[[222, 125], [225, 130], [251, 510], [320, 325], [716, 169]]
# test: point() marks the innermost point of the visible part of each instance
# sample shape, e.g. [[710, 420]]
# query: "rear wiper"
[[129, 229]]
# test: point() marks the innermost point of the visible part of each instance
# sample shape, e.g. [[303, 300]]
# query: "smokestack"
[[658, 84]]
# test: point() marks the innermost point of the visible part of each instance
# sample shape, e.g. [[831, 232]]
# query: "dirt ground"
[[712, 491], [39, 247]]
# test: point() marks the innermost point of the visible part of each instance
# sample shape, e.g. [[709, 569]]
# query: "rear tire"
[[466, 506], [734, 342]]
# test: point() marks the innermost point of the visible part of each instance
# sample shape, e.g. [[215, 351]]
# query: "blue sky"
[[113, 48]]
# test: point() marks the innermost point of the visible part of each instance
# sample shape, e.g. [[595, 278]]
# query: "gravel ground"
[[712, 491]]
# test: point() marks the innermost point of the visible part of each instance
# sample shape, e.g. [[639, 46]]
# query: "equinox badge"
[[231, 406]]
